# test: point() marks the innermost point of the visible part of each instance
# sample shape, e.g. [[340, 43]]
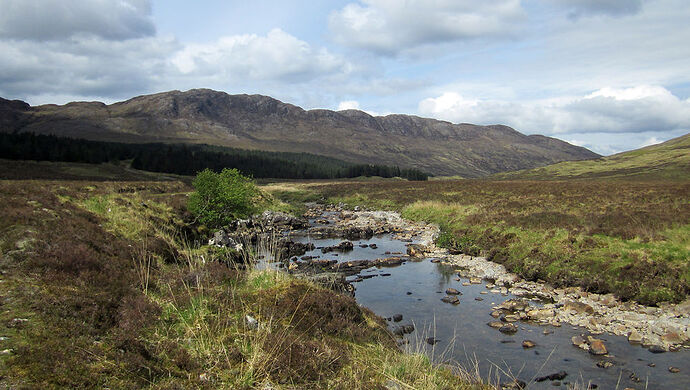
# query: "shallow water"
[[415, 289]]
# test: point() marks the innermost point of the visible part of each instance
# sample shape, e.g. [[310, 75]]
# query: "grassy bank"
[[629, 238], [104, 287]]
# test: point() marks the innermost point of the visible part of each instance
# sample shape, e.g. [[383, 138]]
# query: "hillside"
[[669, 160], [264, 123]]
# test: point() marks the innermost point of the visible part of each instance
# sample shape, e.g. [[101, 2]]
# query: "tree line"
[[183, 159]]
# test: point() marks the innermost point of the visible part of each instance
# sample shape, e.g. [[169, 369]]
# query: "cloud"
[[608, 110], [348, 105], [278, 55], [48, 20], [651, 141], [579, 8], [88, 67], [389, 26]]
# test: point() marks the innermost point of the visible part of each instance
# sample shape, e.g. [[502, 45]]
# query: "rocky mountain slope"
[[261, 122], [669, 160]]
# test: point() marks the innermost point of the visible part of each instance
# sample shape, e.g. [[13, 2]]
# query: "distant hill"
[[668, 161], [263, 123]]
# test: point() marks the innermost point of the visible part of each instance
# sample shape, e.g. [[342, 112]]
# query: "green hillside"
[[666, 161]]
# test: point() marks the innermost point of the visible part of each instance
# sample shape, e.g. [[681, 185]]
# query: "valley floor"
[[107, 285]]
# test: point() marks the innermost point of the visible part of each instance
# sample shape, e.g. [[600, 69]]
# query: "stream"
[[415, 288]]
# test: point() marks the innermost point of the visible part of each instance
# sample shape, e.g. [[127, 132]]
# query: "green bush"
[[220, 198]]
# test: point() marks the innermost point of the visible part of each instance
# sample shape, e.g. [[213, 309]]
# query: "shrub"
[[220, 198]]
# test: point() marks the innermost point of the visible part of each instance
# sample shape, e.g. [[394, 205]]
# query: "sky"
[[609, 75]]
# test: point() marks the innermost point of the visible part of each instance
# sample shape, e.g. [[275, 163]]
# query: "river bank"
[[666, 327]]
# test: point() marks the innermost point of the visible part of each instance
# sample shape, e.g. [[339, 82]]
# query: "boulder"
[[528, 344], [597, 347], [451, 299], [508, 329], [452, 291], [579, 307]]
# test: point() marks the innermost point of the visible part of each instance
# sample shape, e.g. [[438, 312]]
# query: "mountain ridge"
[[265, 123]]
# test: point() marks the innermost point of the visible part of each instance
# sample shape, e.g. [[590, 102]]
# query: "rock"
[[578, 341], [373, 246], [397, 317], [416, 250], [511, 318], [579, 307], [514, 385], [604, 363], [635, 337], [514, 305], [431, 340], [508, 329], [528, 344], [409, 293], [344, 246], [478, 299], [451, 299], [452, 291], [495, 324], [388, 262], [496, 313], [475, 280], [656, 349], [407, 329], [672, 338], [364, 245], [558, 376], [466, 284], [252, 323], [673, 370], [597, 347]]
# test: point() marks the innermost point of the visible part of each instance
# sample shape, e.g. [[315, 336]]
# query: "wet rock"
[[495, 324], [656, 349], [496, 313], [478, 299], [388, 262], [673, 370], [605, 363], [528, 344], [510, 318], [508, 328], [558, 376], [514, 385], [597, 347], [373, 246], [342, 247], [416, 250], [407, 329], [452, 291], [476, 280], [451, 299], [431, 340], [672, 338], [397, 317], [578, 341], [364, 245]]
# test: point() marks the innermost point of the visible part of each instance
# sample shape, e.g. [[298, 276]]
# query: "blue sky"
[[611, 75]]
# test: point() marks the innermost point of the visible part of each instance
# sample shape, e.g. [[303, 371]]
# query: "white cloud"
[[348, 105], [607, 110], [651, 141], [278, 55], [47, 20], [390, 26]]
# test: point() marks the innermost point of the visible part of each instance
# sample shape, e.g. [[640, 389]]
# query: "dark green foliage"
[[190, 159], [220, 198]]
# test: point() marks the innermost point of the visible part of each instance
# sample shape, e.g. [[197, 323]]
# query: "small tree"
[[220, 198]]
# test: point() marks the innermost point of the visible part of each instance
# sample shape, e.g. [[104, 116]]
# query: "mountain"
[[666, 161], [261, 122]]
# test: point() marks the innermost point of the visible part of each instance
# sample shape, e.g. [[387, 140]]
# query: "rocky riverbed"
[[663, 328]]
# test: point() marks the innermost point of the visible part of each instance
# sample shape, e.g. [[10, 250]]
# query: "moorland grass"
[[104, 287], [628, 238]]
